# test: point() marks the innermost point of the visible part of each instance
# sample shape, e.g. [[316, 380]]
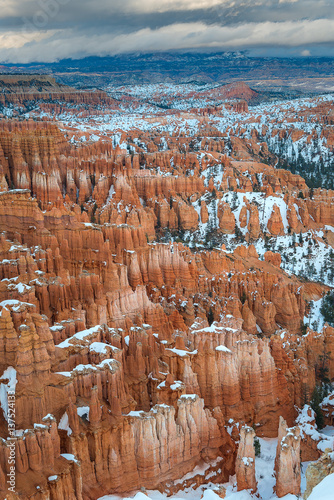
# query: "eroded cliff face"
[[23, 90], [133, 338]]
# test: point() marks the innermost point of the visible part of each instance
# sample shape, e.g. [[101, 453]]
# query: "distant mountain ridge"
[[179, 67]]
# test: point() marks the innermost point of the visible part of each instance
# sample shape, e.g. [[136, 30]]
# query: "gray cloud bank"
[[48, 30]]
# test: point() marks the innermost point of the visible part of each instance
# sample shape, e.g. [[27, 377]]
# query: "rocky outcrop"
[[287, 464], [310, 437], [226, 218], [275, 223], [245, 461], [38, 459], [273, 258], [317, 471]]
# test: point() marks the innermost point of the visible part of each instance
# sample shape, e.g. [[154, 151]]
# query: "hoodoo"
[[165, 291]]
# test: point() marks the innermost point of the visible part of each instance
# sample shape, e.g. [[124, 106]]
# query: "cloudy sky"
[[48, 30]]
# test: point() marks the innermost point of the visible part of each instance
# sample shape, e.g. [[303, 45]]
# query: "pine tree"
[[257, 446], [243, 297], [317, 397], [210, 317], [301, 238]]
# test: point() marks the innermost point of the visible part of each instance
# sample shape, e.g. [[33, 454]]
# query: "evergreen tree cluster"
[[312, 162], [327, 308], [319, 393]]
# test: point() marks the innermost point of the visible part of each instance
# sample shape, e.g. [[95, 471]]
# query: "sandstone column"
[[287, 463], [245, 462]]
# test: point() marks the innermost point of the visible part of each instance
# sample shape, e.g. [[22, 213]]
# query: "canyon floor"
[[166, 293]]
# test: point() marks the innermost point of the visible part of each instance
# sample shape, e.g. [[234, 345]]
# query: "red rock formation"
[[245, 462], [310, 436], [273, 258], [287, 465], [109, 325], [204, 212], [226, 218], [275, 223], [39, 465], [254, 223]]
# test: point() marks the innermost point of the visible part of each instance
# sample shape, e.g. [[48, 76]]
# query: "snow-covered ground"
[[264, 467], [324, 490], [305, 421], [305, 255], [145, 108]]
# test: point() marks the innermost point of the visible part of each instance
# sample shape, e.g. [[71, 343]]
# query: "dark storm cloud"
[[62, 14], [46, 30]]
